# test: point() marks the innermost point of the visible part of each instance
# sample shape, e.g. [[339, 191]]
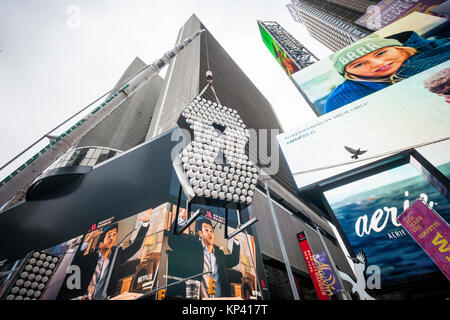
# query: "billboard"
[[316, 275], [367, 211], [388, 11], [430, 231], [380, 87], [123, 260], [293, 11], [282, 58], [327, 275]]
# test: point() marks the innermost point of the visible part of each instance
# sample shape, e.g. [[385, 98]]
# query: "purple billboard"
[[430, 231], [388, 11], [327, 274]]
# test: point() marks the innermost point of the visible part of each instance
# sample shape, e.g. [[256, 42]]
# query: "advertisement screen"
[[387, 11], [316, 275], [123, 260], [382, 95], [430, 231], [326, 273], [285, 62], [408, 46], [367, 211]]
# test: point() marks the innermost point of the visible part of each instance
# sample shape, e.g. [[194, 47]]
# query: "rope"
[[214, 91], [204, 89], [209, 81], [207, 55]]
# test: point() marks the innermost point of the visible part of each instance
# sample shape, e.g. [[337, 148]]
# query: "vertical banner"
[[313, 271], [430, 231], [326, 273]]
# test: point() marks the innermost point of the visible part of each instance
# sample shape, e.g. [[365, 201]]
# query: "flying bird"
[[355, 153]]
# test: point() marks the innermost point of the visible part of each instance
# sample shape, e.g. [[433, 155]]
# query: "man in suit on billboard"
[[98, 269], [197, 254]]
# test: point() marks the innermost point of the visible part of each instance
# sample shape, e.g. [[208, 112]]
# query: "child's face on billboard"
[[380, 63]]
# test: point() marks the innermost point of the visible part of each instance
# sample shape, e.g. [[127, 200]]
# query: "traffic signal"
[[211, 286], [161, 294]]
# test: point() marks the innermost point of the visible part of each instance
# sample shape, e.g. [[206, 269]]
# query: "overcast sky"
[[57, 56]]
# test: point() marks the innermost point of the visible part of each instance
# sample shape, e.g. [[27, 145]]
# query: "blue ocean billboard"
[[367, 211]]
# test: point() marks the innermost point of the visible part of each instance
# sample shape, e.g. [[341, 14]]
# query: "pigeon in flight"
[[355, 153]]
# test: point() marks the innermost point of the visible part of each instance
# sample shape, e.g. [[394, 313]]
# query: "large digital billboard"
[[278, 53], [367, 211], [388, 11], [122, 260], [384, 94]]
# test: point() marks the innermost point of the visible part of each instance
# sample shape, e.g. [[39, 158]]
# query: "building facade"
[[85, 191], [185, 78], [332, 23]]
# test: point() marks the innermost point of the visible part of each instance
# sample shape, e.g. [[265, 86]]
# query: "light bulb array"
[[218, 128]]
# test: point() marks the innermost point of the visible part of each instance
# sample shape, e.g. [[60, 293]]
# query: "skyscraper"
[[127, 126], [123, 129], [332, 22], [150, 176], [185, 78]]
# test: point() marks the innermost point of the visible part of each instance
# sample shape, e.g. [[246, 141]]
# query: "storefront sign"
[[327, 274], [311, 265], [430, 231]]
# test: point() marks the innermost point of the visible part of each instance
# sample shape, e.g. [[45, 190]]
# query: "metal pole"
[[346, 296], [283, 249], [30, 170]]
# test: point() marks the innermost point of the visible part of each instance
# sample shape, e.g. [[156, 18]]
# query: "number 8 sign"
[[214, 168]]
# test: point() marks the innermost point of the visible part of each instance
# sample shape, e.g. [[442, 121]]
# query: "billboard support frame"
[[430, 173], [280, 240]]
